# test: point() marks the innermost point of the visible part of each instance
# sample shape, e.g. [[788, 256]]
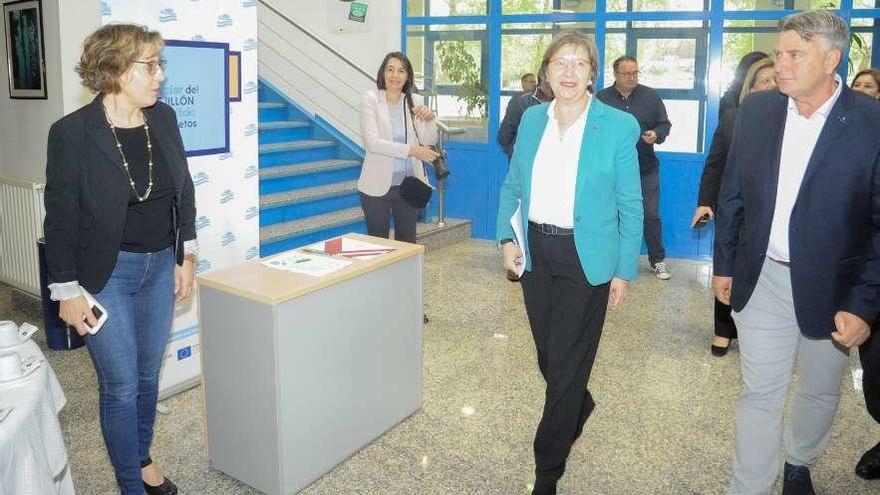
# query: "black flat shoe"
[[719, 351], [166, 488], [869, 465]]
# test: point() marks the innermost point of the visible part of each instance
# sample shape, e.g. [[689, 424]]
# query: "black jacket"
[[86, 194], [647, 107], [710, 182], [515, 108], [834, 231]]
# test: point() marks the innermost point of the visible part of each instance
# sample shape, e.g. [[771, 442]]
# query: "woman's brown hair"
[[110, 51]]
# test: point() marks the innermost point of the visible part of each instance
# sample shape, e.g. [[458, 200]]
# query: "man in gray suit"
[[797, 249]]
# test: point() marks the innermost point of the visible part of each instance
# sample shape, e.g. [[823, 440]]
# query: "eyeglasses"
[[154, 66], [629, 75], [574, 64]]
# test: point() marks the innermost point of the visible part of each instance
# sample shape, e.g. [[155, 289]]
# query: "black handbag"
[[415, 192]]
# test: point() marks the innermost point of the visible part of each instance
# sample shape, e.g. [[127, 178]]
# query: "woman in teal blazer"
[[575, 174]]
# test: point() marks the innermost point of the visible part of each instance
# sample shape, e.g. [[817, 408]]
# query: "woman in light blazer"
[[575, 174], [397, 135]]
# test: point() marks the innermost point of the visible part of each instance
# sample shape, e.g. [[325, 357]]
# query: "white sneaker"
[[661, 271]]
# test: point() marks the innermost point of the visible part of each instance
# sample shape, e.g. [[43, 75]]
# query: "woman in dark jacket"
[[120, 225], [759, 77]]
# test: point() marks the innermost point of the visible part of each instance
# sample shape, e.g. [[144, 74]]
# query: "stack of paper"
[[316, 266]]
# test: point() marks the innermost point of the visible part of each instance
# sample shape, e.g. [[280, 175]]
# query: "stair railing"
[[445, 130]]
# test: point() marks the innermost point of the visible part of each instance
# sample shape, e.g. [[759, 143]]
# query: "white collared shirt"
[[798, 141], [554, 173]]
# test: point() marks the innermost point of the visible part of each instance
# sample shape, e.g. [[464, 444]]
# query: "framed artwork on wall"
[[25, 51]]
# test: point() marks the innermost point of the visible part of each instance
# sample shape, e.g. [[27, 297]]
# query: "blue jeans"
[[127, 353]]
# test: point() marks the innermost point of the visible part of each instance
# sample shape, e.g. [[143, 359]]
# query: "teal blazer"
[[608, 214]]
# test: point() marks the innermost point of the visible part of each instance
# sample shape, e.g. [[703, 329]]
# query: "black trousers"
[[566, 315], [724, 325], [378, 211], [869, 354]]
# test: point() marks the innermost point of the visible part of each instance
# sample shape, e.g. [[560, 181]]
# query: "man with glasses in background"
[[646, 106]]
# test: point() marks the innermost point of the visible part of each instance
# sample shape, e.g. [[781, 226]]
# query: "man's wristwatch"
[[504, 241], [191, 257]]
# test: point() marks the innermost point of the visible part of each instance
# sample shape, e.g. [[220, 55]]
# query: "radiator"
[[21, 224]]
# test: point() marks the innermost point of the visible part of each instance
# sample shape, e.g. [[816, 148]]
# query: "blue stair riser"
[[286, 134], [271, 248], [272, 114], [318, 178], [296, 211], [290, 157]]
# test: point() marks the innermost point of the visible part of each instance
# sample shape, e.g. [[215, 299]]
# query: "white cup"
[[10, 366], [11, 334]]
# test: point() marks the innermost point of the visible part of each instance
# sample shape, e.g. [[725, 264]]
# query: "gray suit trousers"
[[771, 346]]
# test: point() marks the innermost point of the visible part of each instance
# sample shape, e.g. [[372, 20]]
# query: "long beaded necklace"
[[125, 160]]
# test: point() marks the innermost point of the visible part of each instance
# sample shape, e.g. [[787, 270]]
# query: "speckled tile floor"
[[664, 422]]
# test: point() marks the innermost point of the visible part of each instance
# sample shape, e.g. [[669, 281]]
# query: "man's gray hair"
[[831, 29]]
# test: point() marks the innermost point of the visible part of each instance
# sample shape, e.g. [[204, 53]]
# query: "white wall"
[[24, 124], [366, 49], [314, 77]]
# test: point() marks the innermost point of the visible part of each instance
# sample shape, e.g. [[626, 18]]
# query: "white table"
[[33, 457]]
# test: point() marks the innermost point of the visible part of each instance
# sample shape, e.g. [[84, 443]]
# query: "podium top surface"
[[256, 281]]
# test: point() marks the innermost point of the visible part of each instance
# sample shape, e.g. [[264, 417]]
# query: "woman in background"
[[397, 135], [120, 224], [867, 81], [761, 76], [730, 98]]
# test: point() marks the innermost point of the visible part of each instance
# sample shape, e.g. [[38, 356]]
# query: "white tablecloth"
[[33, 457]]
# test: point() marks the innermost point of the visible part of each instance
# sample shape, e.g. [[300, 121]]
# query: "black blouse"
[[148, 223]]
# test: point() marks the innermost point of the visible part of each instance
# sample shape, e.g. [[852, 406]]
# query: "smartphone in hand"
[[98, 312]]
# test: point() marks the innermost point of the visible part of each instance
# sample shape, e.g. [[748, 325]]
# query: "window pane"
[[657, 5], [503, 107], [860, 52], [546, 6], [780, 4], [615, 46], [685, 118], [736, 45], [416, 8], [449, 65], [861, 44], [866, 4], [673, 61], [523, 45], [667, 63]]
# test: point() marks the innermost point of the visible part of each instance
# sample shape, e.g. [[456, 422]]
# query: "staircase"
[[308, 183], [308, 179]]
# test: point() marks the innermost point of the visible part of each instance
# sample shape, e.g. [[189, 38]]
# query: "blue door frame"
[[479, 168]]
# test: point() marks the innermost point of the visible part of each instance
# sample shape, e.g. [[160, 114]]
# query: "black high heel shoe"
[[166, 488], [719, 351]]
